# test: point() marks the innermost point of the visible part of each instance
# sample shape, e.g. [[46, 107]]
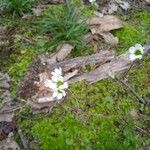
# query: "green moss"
[[129, 36], [16, 66], [143, 18], [135, 31]]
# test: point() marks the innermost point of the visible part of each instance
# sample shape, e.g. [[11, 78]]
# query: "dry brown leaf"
[[9, 143], [105, 23], [37, 11], [6, 117], [4, 81], [109, 38], [43, 94], [39, 108], [135, 114], [61, 53]]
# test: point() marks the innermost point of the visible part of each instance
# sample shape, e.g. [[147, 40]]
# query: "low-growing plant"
[[16, 7], [64, 26]]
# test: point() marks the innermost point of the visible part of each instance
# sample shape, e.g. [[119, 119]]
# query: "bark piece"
[[118, 65], [101, 57]]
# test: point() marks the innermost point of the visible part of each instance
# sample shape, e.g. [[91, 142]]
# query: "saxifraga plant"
[[64, 26]]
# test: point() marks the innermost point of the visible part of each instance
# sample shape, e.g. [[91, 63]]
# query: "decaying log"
[[117, 65], [100, 58], [106, 64]]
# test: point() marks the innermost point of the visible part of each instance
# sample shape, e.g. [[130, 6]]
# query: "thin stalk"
[[122, 82]]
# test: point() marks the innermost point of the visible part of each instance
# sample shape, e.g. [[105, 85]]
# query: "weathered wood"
[[101, 57], [119, 64]]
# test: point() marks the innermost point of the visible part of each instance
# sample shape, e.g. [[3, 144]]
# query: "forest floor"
[[103, 115]]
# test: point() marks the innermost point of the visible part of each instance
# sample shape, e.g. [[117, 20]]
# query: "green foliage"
[[64, 26], [17, 7]]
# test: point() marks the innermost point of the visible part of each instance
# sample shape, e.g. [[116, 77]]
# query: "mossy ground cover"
[[92, 116]]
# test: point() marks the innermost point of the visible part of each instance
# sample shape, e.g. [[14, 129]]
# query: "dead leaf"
[[39, 108], [4, 81], [135, 114], [63, 52], [44, 94], [9, 143], [37, 11], [105, 23], [27, 16], [6, 117], [6, 128], [55, 1], [109, 38], [88, 37]]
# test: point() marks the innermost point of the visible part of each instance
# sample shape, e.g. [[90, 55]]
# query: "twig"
[[140, 99], [23, 140], [126, 72], [140, 129]]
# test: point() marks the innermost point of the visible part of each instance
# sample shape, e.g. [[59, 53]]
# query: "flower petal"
[[59, 96], [54, 73], [139, 57], [64, 86], [132, 57], [132, 50], [58, 71], [64, 93], [50, 84], [138, 46], [55, 94], [55, 79]]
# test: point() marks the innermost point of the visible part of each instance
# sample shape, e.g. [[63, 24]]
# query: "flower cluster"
[[57, 84], [136, 52]]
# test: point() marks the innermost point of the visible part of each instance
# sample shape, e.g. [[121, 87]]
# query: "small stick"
[[126, 72], [131, 90], [23, 140]]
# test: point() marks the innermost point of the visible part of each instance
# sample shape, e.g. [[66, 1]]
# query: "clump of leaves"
[[64, 26], [16, 7]]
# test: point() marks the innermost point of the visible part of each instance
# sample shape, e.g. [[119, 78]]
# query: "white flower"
[[57, 72], [59, 93], [136, 52], [50, 84], [57, 84], [92, 1], [57, 75]]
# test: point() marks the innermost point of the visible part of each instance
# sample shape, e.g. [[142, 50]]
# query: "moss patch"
[[137, 30]]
